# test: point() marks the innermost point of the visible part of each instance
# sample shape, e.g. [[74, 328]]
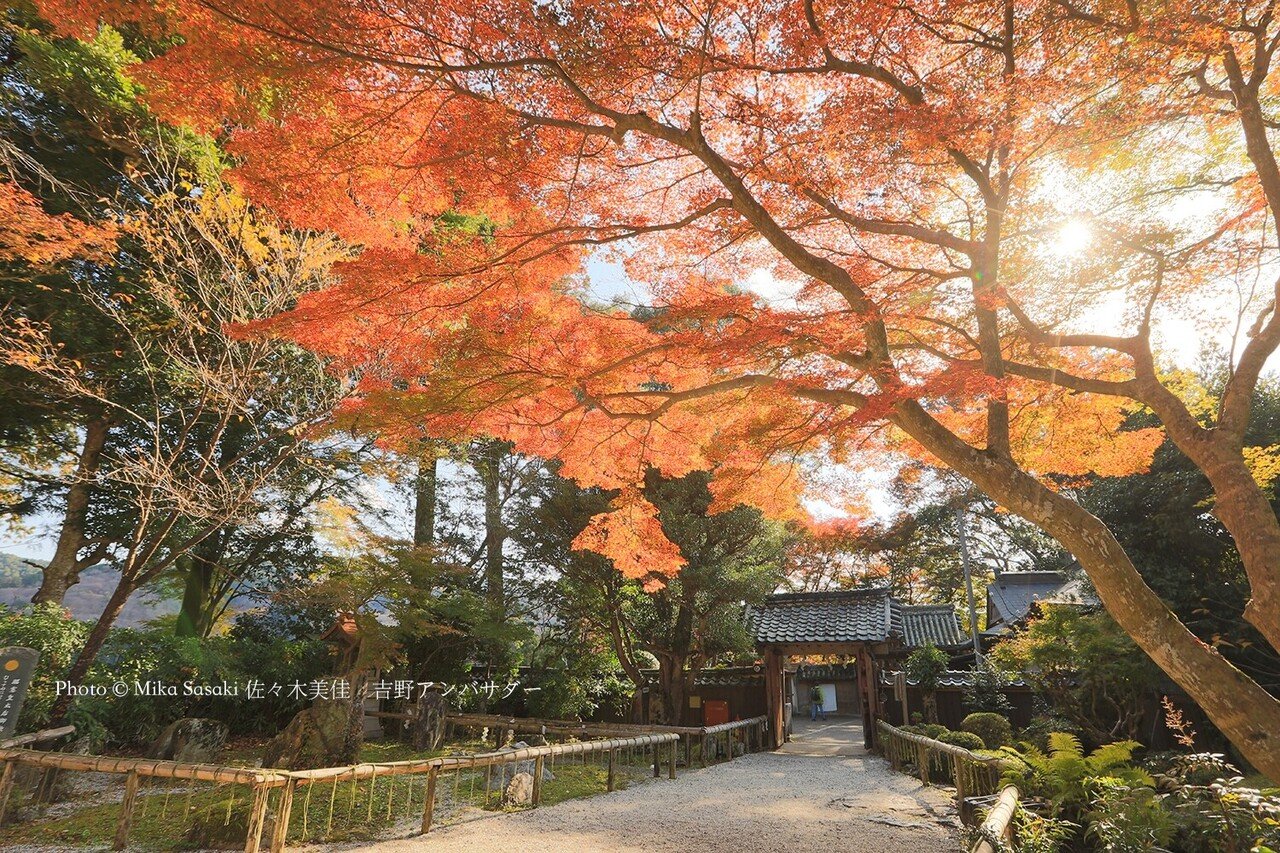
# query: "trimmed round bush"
[[993, 729], [933, 730], [967, 740]]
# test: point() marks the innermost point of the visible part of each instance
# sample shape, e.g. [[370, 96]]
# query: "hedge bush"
[[967, 740], [993, 729]]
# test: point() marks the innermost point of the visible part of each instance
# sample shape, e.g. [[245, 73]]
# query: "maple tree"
[[924, 176]]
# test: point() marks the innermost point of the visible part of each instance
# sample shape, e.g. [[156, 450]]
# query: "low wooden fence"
[[713, 742], [976, 779], [275, 807]]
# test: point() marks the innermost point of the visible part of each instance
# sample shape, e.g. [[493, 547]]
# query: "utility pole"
[[968, 585]]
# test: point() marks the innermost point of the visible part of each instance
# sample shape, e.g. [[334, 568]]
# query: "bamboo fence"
[[408, 796], [713, 742], [976, 779]]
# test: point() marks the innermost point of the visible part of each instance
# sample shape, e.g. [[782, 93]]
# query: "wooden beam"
[[125, 821]]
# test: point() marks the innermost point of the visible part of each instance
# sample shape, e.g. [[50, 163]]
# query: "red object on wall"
[[715, 712]]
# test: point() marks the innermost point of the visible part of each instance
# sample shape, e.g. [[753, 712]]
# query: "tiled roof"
[[935, 622], [723, 676], [1010, 595], [845, 616], [950, 678]]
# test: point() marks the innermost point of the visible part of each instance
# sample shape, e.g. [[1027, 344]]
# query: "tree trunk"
[[92, 645], [195, 617], [488, 467], [63, 570], [1244, 509], [424, 504], [674, 688], [1247, 714]]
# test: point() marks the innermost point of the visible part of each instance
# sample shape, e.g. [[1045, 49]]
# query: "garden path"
[[822, 792]]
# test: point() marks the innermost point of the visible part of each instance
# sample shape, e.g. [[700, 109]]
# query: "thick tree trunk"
[[63, 570], [674, 686], [1246, 512], [1247, 714], [93, 644], [488, 467], [424, 501], [195, 617]]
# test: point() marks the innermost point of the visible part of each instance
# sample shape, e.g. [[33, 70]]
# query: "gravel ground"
[[762, 802]]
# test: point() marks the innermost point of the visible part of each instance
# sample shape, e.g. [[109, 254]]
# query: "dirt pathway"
[[837, 799]]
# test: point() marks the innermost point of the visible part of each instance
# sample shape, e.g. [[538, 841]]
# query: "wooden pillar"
[[537, 780], [870, 697], [126, 811], [6, 786], [671, 766], [257, 816], [688, 751], [613, 760], [429, 800], [657, 760], [280, 833], [773, 686]]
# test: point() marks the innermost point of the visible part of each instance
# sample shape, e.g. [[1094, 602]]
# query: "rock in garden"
[[192, 740], [328, 734], [505, 772], [519, 792]]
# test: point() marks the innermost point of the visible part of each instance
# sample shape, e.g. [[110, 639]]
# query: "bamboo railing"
[[974, 776], [996, 832], [396, 786], [717, 740]]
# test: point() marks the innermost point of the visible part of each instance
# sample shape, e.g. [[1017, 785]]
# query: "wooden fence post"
[[6, 786], [280, 832], [922, 759], [257, 816], [657, 760], [702, 747], [688, 750], [671, 768], [537, 780], [613, 760], [957, 776], [126, 811], [429, 804]]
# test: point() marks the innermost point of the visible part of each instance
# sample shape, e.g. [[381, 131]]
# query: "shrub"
[[993, 729], [1038, 730], [933, 730], [967, 740], [50, 630]]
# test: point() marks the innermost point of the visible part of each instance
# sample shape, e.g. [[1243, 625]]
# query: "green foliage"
[[1087, 667], [992, 729], [985, 690], [926, 665], [50, 630], [933, 730], [1042, 725], [1037, 833], [1065, 775], [1213, 809], [136, 657], [1125, 818], [733, 557], [964, 739]]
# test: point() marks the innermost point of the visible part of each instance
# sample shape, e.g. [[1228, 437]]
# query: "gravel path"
[[762, 802]]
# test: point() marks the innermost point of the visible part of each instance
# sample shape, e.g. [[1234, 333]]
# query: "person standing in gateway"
[[815, 702]]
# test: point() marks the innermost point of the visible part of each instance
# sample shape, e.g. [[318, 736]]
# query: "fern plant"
[[1066, 778]]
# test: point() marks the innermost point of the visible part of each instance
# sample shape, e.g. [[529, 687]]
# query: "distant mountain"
[[86, 599], [16, 571]]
